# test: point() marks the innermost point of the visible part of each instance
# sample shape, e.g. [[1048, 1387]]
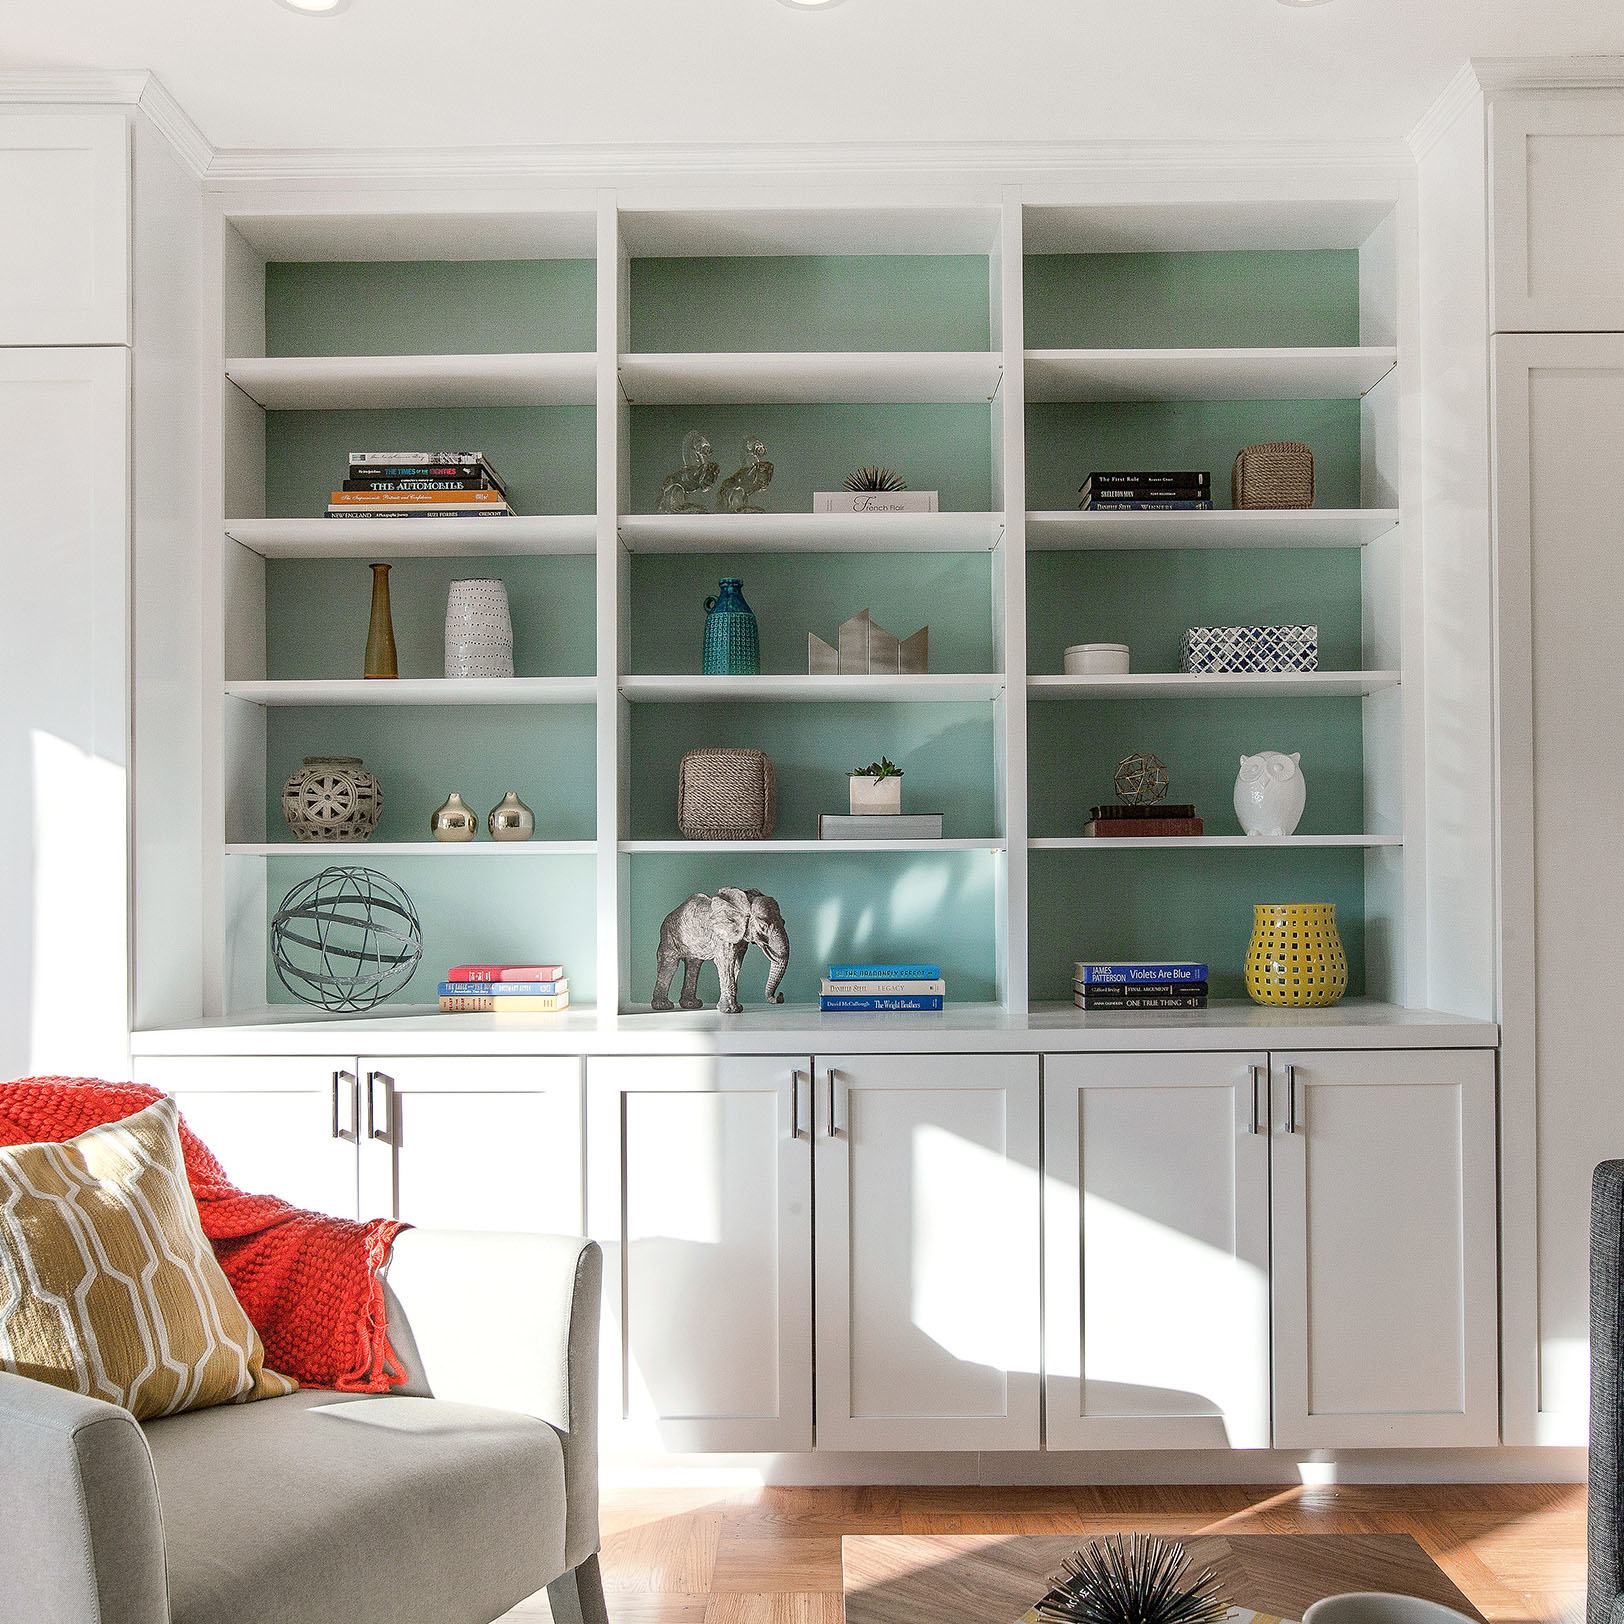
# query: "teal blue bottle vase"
[[732, 638]]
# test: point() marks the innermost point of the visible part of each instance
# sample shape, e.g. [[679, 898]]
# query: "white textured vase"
[[478, 630]]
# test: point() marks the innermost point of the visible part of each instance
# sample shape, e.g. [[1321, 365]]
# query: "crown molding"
[[1549, 72], [174, 123], [945, 161], [51, 86], [1462, 92]]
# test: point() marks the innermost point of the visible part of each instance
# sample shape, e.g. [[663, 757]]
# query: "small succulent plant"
[[885, 767], [1132, 1581], [876, 479]]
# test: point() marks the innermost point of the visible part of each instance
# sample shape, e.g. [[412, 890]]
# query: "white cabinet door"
[[1557, 210], [700, 1185], [927, 1252], [486, 1143], [65, 251], [64, 985], [1385, 1312], [1156, 1247], [286, 1127]]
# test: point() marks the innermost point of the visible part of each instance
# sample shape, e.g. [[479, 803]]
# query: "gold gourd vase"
[[1295, 957], [380, 657]]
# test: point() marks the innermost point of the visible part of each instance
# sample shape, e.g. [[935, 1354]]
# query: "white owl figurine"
[[1269, 793]]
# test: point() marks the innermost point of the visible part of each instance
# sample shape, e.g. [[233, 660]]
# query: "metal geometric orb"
[[346, 939], [1141, 780]]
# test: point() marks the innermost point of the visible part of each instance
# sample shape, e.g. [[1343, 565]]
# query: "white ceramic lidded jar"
[[1097, 660], [478, 630]]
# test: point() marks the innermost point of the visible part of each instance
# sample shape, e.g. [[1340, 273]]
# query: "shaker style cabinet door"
[[700, 1189], [1385, 1311], [927, 1252], [483, 1143], [1556, 177], [1156, 1247], [65, 251], [288, 1126]]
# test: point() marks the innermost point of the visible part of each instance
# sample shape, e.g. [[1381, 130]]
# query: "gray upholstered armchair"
[[1606, 1423], [444, 1502]]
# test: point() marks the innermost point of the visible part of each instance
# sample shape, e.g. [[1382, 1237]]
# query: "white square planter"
[[875, 796]]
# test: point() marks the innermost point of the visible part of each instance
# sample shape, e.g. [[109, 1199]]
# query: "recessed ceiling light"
[[811, 5], [1298, 5], [315, 8]]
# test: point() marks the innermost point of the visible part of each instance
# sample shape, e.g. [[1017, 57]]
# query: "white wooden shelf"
[[414, 848], [811, 532], [1069, 531], [309, 382], [1216, 685], [503, 536], [1196, 842], [1295, 374], [420, 691], [927, 377], [819, 690], [765, 848]]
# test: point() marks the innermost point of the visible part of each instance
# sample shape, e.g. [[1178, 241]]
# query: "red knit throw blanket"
[[309, 1282]]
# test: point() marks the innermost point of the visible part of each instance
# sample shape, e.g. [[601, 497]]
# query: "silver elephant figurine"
[[720, 928]]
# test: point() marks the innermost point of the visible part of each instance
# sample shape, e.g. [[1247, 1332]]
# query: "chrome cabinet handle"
[[1291, 1099], [350, 1134], [834, 1132], [1257, 1078], [795, 1104], [387, 1132]]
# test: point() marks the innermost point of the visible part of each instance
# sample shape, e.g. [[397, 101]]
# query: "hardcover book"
[[885, 972], [884, 826], [1143, 828], [433, 498], [488, 1004], [885, 989], [1115, 992], [1132, 970], [874, 502], [502, 989], [505, 972], [1145, 1000], [854, 1005]]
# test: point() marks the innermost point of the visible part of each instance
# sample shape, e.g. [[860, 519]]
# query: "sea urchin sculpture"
[[1140, 1580]]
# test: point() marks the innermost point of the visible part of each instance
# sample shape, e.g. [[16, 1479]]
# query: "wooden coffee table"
[[994, 1578]]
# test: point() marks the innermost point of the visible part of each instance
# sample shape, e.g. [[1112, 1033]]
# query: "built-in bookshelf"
[[994, 353]]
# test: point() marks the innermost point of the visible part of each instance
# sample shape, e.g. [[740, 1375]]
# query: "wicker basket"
[[1279, 474], [726, 795]]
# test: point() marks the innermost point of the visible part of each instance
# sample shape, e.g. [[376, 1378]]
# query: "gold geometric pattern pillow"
[[108, 1285]]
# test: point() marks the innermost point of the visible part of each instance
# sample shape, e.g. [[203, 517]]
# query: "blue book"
[[501, 989], [876, 1001], [885, 972], [1130, 971]]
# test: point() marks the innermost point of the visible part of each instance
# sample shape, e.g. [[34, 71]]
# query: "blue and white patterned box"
[[1251, 648]]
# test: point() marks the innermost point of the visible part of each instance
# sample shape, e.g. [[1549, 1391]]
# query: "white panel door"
[[1156, 1248], [928, 1228], [700, 1190], [65, 249], [1385, 1312], [1557, 210], [64, 688], [1559, 426], [483, 1143], [286, 1127]]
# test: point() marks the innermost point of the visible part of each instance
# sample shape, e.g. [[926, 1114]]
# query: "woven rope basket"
[[1279, 474], [726, 795]]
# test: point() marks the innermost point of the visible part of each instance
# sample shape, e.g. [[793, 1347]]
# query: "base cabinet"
[[1156, 1245], [1383, 1196]]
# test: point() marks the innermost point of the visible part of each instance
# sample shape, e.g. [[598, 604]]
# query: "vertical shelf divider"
[[1008, 310], [613, 609]]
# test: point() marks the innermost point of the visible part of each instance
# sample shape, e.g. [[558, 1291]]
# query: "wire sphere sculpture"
[[346, 939], [1141, 780]]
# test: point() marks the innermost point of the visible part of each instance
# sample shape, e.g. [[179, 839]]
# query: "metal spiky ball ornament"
[[346, 939], [1141, 780], [876, 479], [1140, 1580]]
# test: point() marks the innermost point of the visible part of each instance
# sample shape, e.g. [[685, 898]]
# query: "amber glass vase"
[[1296, 956], [380, 661]]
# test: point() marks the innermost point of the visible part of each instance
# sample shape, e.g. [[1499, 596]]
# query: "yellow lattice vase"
[[1296, 955]]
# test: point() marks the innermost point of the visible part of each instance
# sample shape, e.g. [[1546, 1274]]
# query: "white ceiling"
[[431, 73]]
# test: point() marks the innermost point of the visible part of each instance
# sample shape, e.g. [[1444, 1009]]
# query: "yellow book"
[[516, 1004]]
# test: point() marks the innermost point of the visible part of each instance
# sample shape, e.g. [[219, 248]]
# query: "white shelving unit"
[[245, 705]]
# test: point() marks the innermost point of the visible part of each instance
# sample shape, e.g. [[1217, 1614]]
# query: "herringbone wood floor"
[[772, 1556]]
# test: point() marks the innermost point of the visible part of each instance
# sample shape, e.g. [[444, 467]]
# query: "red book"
[[505, 972]]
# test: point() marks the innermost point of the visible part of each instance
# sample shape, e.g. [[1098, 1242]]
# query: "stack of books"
[[419, 484], [1148, 984], [1146, 492], [856, 988], [504, 989], [880, 826], [1159, 821]]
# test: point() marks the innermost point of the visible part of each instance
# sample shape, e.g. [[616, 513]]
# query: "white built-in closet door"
[[64, 655]]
